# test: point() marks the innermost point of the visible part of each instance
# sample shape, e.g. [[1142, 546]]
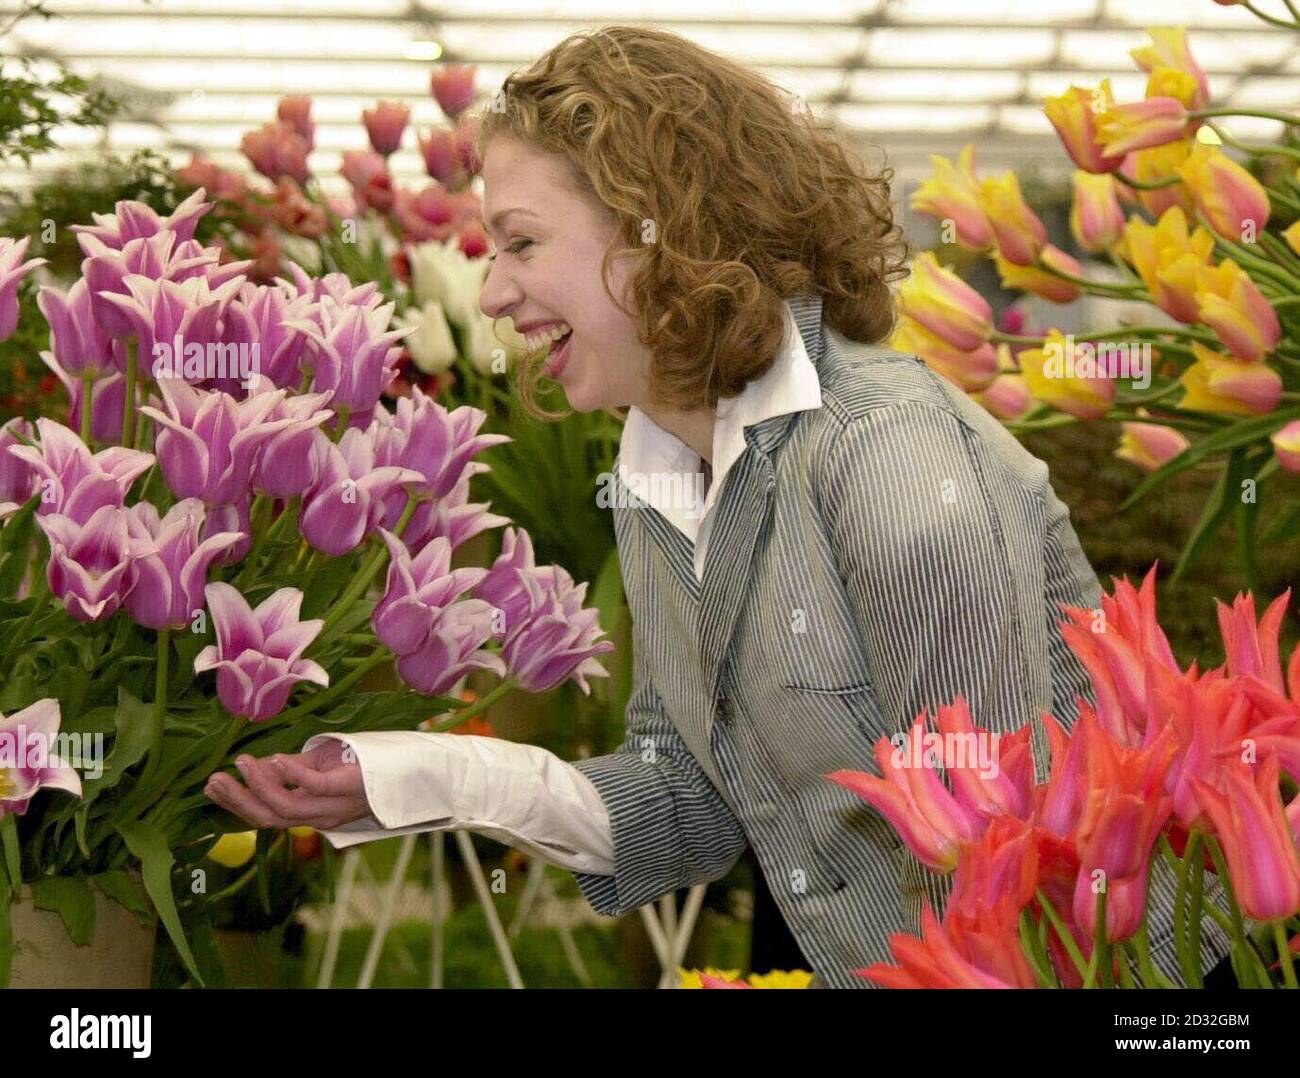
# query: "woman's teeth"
[[544, 337]]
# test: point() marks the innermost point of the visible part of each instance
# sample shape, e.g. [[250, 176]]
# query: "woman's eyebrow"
[[500, 215]]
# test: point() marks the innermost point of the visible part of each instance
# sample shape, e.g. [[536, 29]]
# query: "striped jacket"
[[869, 558]]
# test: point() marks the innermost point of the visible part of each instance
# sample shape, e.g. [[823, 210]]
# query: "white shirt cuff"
[[522, 795]]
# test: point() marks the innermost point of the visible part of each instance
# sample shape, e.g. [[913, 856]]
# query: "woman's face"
[[549, 241]]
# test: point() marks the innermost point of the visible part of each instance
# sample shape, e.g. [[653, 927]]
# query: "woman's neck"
[[695, 428]]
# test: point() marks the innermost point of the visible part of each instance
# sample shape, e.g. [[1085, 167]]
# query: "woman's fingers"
[[340, 781], [296, 806], [230, 794]]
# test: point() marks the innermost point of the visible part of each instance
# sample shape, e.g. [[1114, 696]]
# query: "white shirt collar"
[[666, 473]]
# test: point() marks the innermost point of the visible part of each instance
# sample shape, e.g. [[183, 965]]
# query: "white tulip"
[[430, 342], [441, 273]]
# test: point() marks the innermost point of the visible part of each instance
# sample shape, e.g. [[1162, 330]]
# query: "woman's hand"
[[321, 788]]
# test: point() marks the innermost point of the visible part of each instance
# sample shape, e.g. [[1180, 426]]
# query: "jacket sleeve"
[[672, 828]]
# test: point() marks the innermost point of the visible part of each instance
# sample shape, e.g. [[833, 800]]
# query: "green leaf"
[[6, 930], [149, 845], [71, 898], [1221, 441], [1285, 526], [15, 544], [12, 859], [1217, 507], [120, 886], [131, 718]]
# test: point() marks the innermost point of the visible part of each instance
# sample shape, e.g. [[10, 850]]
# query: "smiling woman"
[[677, 240]]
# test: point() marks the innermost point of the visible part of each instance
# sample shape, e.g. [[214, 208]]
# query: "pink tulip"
[[441, 159], [1150, 445], [28, 737], [438, 443], [276, 150], [108, 401], [90, 565], [346, 504], [928, 818], [169, 318], [385, 124], [295, 110], [424, 621], [258, 651], [208, 442], [1258, 843], [352, 352], [77, 339], [1096, 218], [261, 313], [1252, 650], [12, 270], [547, 636], [942, 958], [452, 86], [291, 461], [170, 579], [372, 186], [19, 481], [335, 286], [1008, 789], [134, 220], [73, 481], [453, 517]]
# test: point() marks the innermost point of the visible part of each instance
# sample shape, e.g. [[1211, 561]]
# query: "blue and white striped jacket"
[[869, 558]]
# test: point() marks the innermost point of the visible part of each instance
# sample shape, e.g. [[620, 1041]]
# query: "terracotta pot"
[[119, 955]]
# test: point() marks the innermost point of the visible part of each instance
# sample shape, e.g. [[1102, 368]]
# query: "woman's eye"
[[516, 247]]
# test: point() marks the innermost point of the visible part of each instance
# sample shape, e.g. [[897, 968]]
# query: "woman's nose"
[[500, 294]]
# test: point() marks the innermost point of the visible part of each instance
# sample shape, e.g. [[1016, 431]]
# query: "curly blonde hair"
[[751, 201]]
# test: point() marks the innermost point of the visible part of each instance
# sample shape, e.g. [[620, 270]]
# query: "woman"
[[863, 541]]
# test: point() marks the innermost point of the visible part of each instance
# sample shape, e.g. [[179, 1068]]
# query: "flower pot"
[[119, 955]]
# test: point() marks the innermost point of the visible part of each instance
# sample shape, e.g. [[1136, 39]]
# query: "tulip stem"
[[1284, 954], [87, 391], [42, 601], [159, 704], [362, 580], [258, 525], [1149, 185], [1263, 114], [477, 707], [1269, 18], [1197, 889], [1120, 291], [1254, 147], [1100, 962], [1263, 265], [379, 655], [128, 407], [1062, 933]]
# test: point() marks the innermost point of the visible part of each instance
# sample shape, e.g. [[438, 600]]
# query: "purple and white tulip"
[[91, 565], [347, 503], [171, 577], [73, 481], [12, 270], [258, 651], [548, 635], [18, 479], [27, 762], [438, 443]]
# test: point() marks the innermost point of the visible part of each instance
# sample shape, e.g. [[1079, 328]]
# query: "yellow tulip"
[[1095, 215], [1223, 385], [952, 194], [1050, 374], [1292, 237], [1074, 115], [1139, 124], [1168, 257], [1169, 48], [945, 304], [1232, 200], [1159, 163], [968, 370], [234, 848], [1232, 305], [1017, 230], [1286, 444], [1038, 280]]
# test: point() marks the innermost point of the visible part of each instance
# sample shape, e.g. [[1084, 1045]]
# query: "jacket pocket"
[[858, 703]]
